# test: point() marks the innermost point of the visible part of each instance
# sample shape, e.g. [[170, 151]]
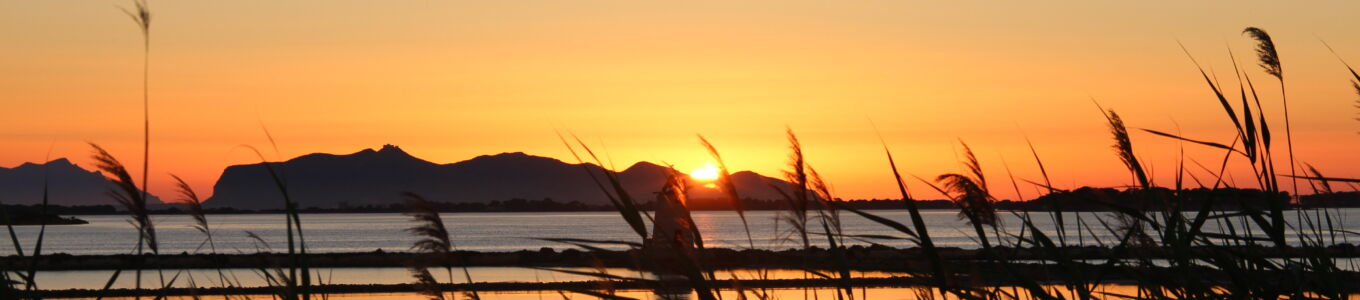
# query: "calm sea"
[[517, 231]]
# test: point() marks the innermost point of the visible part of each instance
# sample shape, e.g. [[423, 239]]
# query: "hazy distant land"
[[370, 181]]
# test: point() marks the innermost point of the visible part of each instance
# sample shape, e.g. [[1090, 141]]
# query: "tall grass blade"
[[729, 188], [32, 283], [625, 204], [921, 233], [1210, 144], [1355, 81], [297, 247]]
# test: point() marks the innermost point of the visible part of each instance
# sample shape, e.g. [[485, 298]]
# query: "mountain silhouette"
[[68, 184], [378, 177]]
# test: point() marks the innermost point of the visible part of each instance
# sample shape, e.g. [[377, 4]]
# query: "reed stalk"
[[132, 199], [194, 207]]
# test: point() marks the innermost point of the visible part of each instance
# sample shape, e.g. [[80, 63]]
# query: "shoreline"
[[872, 258], [566, 286]]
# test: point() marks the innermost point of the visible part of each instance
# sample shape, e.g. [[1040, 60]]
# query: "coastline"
[[872, 258]]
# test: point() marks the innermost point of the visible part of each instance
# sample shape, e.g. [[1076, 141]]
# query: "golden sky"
[[450, 80]]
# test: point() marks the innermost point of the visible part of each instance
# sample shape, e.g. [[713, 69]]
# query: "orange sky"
[[449, 80]]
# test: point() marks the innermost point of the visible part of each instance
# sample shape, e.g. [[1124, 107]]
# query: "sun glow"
[[708, 172]]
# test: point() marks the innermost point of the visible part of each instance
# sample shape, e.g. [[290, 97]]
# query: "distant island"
[[18, 215]]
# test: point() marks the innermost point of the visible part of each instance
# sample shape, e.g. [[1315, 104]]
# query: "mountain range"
[[377, 177]]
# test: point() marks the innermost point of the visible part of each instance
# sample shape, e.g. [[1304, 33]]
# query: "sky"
[[450, 80]]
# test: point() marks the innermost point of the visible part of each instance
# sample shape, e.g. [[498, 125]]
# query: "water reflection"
[[59, 280], [1105, 291], [514, 231]]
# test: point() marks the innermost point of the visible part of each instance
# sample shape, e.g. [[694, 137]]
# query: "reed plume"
[[798, 199], [970, 193], [434, 237], [1270, 62], [127, 195], [1123, 147], [194, 206], [974, 167], [1265, 50], [427, 285]]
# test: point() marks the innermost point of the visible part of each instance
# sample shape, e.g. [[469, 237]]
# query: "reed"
[[729, 188], [687, 251], [1256, 142], [132, 199], [193, 205], [141, 15], [835, 234], [297, 284], [1056, 210], [919, 232], [797, 199], [1270, 63], [426, 284], [673, 254], [434, 239], [615, 192], [1124, 148], [970, 193]]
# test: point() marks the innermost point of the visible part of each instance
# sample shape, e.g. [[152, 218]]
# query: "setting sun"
[[708, 172]]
